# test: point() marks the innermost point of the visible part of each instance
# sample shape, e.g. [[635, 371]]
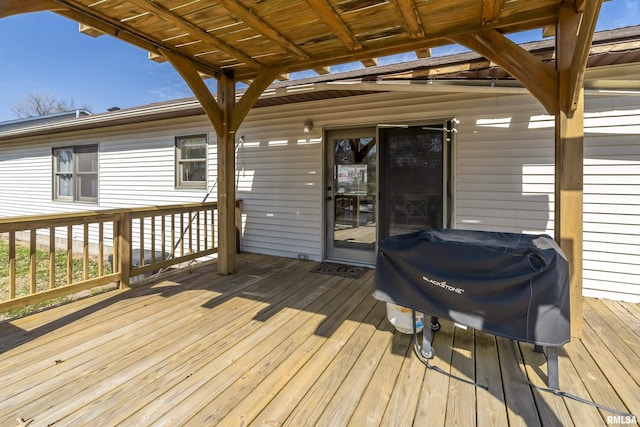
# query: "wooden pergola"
[[259, 41]]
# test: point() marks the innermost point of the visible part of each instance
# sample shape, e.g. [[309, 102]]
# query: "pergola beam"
[[491, 11], [119, 30], [410, 18], [371, 62], [423, 53], [254, 21], [251, 95], [537, 76], [167, 15], [17, 7], [577, 29], [190, 74], [391, 47], [331, 18]]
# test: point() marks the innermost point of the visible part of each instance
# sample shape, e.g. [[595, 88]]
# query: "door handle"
[[328, 197]]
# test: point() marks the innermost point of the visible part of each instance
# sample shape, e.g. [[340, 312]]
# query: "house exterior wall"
[[612, 198], [136, 168], [505, 182], [503, 172]]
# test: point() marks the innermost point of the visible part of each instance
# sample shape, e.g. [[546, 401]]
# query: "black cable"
[[425, 361], [555, 392], [569, 395]]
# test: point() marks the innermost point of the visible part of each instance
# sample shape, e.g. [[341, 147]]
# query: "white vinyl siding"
[[612, 198], [504, 173], [505, 182], [25, 174]]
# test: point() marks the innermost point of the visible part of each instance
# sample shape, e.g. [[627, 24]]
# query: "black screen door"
[[412, 184]]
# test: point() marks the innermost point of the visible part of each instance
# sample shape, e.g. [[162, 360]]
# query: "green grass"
[[42, 274]]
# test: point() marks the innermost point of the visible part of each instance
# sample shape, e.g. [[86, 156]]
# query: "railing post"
[[124, 249]]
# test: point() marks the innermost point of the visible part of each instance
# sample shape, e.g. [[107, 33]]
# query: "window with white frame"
[[75, 173], [191, 161]]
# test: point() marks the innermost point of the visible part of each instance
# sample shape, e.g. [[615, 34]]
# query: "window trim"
[[179, 161], [75, 174]]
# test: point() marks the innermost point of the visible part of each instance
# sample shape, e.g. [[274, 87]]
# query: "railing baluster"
[[173, 235], [181, 233], [52, 257], [190, 227], [206, 230], [12, 265], [115, 234], [163, 230], [69, 254], [32, 262], [85, 252], [153, 240], [101, 248], [198, 229], [141, 260], [213, 226]]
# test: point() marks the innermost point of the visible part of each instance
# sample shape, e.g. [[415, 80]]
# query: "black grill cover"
[[508, 284]]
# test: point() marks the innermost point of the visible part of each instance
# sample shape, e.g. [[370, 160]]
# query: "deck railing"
[[43, 257]]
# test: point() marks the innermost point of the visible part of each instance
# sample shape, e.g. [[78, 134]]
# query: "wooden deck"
[[276, 344]]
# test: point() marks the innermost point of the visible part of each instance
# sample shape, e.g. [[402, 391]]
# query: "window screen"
[[75, 173], [191, 161]]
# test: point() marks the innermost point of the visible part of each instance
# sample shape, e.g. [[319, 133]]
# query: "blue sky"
[[44, 53]]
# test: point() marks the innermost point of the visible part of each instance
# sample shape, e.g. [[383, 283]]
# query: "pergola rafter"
[[410, 18], [161, 12]]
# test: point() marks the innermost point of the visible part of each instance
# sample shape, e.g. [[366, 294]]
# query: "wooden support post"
[[569, 148], [124, 250], [574, 33], [226, 179], [225, 116]]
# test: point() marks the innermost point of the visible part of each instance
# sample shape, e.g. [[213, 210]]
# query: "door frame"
[[328, 206], [448, 170]]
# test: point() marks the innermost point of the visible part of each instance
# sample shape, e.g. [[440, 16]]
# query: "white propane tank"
[[401, 318]]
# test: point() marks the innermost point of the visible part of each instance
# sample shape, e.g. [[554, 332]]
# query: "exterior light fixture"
[[308, 125]]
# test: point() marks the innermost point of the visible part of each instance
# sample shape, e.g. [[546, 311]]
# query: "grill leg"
[[553, 368], [427, 336]]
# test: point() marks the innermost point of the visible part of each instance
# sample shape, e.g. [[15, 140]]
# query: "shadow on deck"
[[276, 344]]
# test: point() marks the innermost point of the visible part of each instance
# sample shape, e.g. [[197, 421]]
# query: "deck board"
[[276, 344], [461, 402], [434, 395], [493, 413], [551, 410]]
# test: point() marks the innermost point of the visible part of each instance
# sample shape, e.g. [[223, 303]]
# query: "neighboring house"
[[43, 120], [328, 165]]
